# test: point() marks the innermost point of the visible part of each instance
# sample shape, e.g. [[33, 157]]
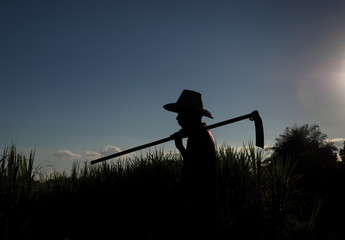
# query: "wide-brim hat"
[[189, 100]]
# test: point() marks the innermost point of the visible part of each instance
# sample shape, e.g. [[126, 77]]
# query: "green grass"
[[142, 198], [17, 188]]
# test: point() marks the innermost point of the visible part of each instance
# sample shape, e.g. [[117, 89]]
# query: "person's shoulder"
[[204, 133]]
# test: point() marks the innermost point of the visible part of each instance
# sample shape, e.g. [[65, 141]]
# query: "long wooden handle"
[[252, 116], [132, 150]]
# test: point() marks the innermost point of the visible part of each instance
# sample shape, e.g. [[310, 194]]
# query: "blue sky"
[[80, 77]]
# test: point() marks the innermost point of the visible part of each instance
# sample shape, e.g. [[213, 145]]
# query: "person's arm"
[[178, 136]]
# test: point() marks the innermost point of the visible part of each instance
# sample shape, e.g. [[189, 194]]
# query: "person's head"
[[188, 119], [190, 109]]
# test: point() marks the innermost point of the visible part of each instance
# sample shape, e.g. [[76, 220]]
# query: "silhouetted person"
[[199, 172]]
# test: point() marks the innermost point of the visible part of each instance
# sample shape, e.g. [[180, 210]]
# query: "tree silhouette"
[[315, 158]]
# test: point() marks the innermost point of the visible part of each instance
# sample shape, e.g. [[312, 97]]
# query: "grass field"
[[142, 198]]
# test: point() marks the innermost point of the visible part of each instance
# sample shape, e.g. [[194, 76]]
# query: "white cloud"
[[108, 150], [336, 140], [67, 154], [90, 155]]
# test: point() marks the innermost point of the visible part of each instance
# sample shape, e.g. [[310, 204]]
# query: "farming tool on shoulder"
[[254, 116]]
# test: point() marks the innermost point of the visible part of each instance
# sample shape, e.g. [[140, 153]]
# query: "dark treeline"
[[296, 193]]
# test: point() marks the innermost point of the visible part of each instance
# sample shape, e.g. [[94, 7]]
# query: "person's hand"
[[178, 136]]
